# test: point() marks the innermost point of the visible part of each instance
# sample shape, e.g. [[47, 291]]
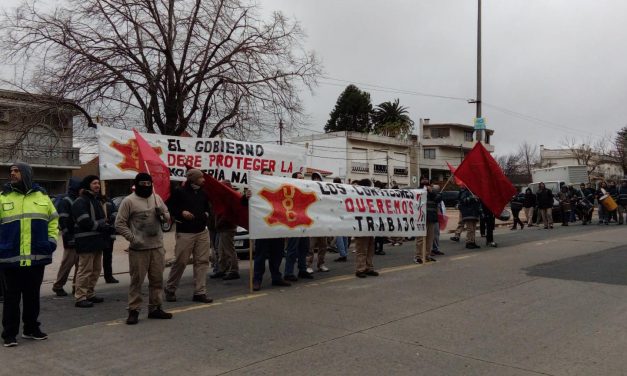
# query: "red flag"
[[458, 181], [151, 163], [484, 178]]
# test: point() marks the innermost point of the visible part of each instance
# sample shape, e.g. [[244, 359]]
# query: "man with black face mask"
[[139, 221]]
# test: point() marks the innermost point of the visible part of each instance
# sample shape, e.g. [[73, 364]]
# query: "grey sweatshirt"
[[138, 222]]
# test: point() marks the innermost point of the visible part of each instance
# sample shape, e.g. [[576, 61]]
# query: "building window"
[[468, 136], [429, 153], [440, 132], [380, 169], [400, 171], [360, 168]]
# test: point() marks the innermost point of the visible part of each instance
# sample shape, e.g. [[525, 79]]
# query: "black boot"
[[133, 317]]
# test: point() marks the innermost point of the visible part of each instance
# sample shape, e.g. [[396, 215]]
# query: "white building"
[[607, 167], [446, 142], [355, 156]]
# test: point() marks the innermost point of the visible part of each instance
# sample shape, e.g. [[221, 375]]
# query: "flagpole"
[[445, 184], [250, 262]]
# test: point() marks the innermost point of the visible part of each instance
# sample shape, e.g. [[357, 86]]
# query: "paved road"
[[543, 303]]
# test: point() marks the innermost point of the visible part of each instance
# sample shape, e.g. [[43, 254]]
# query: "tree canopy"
[[391, 119], [207, 67], [351, 113]]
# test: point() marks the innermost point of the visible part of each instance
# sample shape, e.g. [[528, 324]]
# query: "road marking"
[[461, 257]]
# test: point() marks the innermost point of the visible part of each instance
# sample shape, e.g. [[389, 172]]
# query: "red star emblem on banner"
[[289, 206], [130, 152]]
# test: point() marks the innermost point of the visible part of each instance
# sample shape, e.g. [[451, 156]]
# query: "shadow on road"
[[608, 266]]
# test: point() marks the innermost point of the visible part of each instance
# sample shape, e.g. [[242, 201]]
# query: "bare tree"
[[528, 157], [510, 164], [588, 152], [620, 148], [206, 67]]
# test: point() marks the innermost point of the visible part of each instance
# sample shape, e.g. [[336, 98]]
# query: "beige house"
[[355, 156], [446, 142], [35, 130]]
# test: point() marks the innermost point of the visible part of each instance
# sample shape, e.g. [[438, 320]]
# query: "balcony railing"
[[360, 168], [380, 169], [46, 157], [401, 171]]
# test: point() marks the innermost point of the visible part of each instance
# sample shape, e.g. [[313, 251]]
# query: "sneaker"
[[492, 244], [256, 286], [159, 314], [380, 253], [417, 260], [438, 253], [202, 298], [59, 292], [169, 296], [372, 273], [455, 238], [323, 269], [217, 275], [340, 259], [305, 275], [310, 270], [110, 279], [291, 278], [472, 246], [96, 299], [133, 317], [84, 304], [361, 274], [281, 282], [37, 335], [231, 276], [10, 342], [431, 259]]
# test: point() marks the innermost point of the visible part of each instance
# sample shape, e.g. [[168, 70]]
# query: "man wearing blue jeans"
[[341, 242], [297, 249]]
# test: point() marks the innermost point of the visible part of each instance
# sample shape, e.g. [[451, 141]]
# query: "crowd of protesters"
[[88, 223]]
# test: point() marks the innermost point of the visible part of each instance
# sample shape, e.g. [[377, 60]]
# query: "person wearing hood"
[[66, 226], [470, 211], [545, 205], [28, 232], [529, 205], [91, 237], [139, 221], [189, 205]]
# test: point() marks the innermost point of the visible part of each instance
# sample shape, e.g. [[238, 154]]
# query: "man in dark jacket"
[[545, 205], [28, 231], [424, 244], [228, 267], [622, 202], [490, 223], [189, 205], [66, 226], [469, 211], [529, 205], [92, 236]]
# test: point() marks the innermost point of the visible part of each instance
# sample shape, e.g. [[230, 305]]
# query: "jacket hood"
[[74, 185], [27, 175]]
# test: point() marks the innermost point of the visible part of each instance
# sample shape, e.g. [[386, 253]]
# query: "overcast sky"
[[550, 67]]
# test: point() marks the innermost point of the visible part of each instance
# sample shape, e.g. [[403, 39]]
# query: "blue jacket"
[[469, 206]]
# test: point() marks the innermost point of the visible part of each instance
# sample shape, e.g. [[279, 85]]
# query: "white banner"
[[281, 207], [220, 158]]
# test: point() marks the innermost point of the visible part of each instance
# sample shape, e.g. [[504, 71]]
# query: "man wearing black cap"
[[66, 225], [28, 232], [139, 221], [91, 237], [190, 207]]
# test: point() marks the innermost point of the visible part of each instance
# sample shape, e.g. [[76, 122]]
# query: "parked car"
[[242, 243], [450, 198]]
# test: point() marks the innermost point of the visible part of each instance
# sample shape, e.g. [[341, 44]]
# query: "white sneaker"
[[323, 269], [310, 270]]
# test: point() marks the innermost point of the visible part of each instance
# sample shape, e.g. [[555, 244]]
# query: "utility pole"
[[480, 132], [280, 131]]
